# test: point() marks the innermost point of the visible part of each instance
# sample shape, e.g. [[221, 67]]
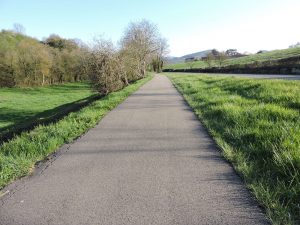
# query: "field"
[[18, 156], [257, 58], [22, 107], [256, 123]]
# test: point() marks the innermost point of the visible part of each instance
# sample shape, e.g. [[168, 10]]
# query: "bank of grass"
[[19, 155], [270, 56], [257, 125]]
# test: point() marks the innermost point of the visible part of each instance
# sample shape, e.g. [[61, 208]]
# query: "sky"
[[189, 26]]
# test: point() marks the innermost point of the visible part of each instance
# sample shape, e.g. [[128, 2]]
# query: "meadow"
[[256, 124], [22, 108], [19, 155], [256, 58]]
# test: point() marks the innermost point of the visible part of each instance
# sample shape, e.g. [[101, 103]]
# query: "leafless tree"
[[209, 59], [162, 51], [105, 67], [220, 58], [19, 28], [191, 63], [142, 42]]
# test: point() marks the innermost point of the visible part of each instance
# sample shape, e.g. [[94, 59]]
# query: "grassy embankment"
[[22, 108], [257, 58], [19, 155], [257, 125]]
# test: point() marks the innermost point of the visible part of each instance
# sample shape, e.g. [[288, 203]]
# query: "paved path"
[[148, 162]]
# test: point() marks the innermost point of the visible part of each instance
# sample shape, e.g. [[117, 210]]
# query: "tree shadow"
[[43, 118]]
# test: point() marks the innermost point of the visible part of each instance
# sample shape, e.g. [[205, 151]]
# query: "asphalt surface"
[[148, 162]]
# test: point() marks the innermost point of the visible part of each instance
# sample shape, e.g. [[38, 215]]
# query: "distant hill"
[[197, 54], [276, 57], [173, 60], [9, 39]]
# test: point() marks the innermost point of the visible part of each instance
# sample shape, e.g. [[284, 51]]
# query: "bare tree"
[[191, 63], [162, 51], [209, 59], [220, 58], [19, 28], [105, 67], [140, 41]]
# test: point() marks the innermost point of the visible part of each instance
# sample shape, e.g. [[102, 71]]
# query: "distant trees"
[[191, 63], [295, 45], [215, 57], [19, 28], [25, 61], [143, 44], [220, 58], [141, 48], [158, 59], [32, 63], [209, 59]]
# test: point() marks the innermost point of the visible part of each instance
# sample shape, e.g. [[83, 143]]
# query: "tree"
[[56, 41], [105, 68], [19, 28], [214, 52], [209, 59], [191, 63], [141, 42], [158, 59], [233, 53], [33, 63], [295, 45], [221, 57]]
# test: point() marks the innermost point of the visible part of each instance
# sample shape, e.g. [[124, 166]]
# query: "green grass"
[[257, 125], [21, 107], [256, 58], [19, 155]]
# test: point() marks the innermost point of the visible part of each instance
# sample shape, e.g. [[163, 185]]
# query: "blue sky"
[[189, 26]]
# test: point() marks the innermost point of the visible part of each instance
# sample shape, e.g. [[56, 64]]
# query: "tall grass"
[[19, 155], [257, 125]]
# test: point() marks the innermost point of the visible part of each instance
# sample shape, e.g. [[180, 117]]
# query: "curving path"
[[148, 162]]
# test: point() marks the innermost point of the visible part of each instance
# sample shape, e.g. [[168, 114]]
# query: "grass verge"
[[19, 155], [257, 125]]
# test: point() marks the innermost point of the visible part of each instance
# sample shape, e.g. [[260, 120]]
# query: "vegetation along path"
[[149, 161]]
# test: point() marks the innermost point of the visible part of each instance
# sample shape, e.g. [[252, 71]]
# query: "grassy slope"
[[22, 152], [267, 56], [256, 123], [21, 104]]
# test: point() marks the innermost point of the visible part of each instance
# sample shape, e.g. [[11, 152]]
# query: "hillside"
[[175, 60], [9, 40], [271, 57]]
